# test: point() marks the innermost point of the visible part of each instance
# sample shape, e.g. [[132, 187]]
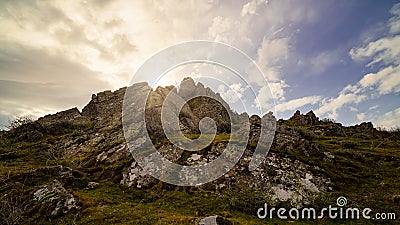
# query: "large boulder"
[[213, 220], [55, 199]]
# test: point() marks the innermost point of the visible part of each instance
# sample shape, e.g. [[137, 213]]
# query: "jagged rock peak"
[[311, 114], [364, 127], [104, 104], [308, 119], [189, 88], [63, 116], [188, 79]]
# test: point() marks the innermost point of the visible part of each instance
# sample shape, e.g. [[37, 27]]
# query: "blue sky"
[[339, 58]]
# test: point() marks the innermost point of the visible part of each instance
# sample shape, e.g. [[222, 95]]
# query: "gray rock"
[[63, 116], [214, 220], [328, 157], [114, 154], [56, 198], [303, 120], [135, 176], [284, 178], [92, 185]]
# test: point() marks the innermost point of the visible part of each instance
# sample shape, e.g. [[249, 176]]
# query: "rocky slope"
[[73, 146], [290, 180]]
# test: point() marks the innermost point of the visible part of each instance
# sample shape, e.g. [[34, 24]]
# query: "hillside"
[[75, 167]]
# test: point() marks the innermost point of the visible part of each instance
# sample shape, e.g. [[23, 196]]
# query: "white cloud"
[[297, 103], [277, 89], [233, 93], [373, 107], [373, 78], [385, 50], [361, 116], [371, 86], [386, 80], [389, 120], [353, 109], [222, 29], [264, 98], [321, 62], [270, 95], [104, 42], [251, 7], [272, 51], [394, 22], [332, 105], [270, 55], [390, 83]]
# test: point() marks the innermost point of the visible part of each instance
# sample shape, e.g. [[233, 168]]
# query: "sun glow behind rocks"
[[54, 55]]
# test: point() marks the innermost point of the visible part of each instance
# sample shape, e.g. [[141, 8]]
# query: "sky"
[[339, 58]]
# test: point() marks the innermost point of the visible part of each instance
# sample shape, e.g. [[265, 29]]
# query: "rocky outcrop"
[[364, 127], [105, 106], [287, 179], [114, 154], [70, 115], [304, 120], [189, 121], [306, 157], [207, 104], [323, 127], [213, 220], [55, 199]]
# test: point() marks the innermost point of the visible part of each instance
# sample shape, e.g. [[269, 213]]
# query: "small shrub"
[[395, 134], [12, 206], [19, 121]]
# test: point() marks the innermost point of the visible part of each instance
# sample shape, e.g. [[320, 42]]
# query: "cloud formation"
[[295, 104], [384, 54], [54, 54]]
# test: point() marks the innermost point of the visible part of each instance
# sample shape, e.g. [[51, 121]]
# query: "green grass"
[[116, 204], [365, 170]]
